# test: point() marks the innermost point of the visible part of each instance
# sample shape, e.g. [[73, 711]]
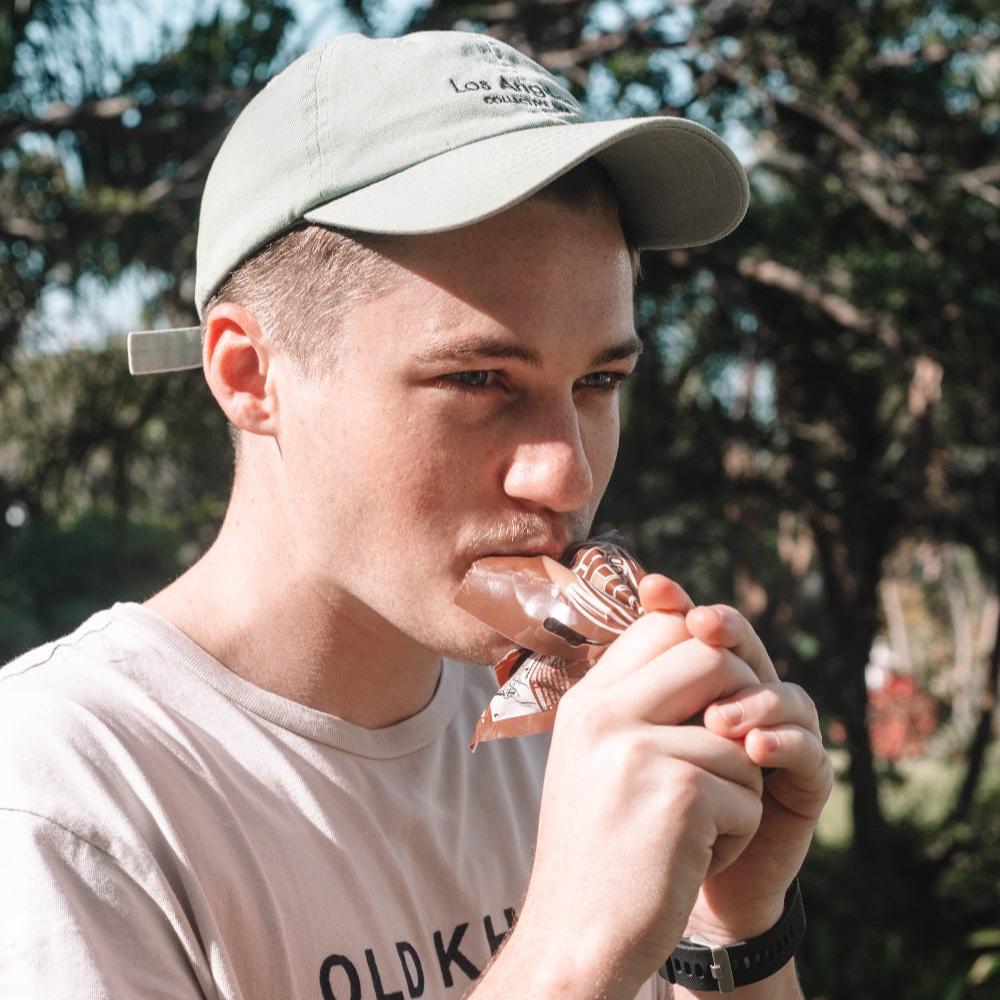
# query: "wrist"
[[734, 924], [783, 985], [708, 964]]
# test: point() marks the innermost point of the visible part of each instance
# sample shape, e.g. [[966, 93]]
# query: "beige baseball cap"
[[429, 132]]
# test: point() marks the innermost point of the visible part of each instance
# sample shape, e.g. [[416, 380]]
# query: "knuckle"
[[714, 658], [653, 632], [806, 705], [633, 751], [662, 625], [586, 713], [769, 701], [686, 791]]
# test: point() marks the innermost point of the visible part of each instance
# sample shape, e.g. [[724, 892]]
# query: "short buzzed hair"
[[307, 279]]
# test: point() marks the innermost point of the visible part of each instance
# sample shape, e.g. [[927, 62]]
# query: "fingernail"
[[768, 741], [732, 714]]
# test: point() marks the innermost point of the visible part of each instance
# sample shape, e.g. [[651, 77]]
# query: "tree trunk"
[[866, 812], [981, 738], [853, 601]]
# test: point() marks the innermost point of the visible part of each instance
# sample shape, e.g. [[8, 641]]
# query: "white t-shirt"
[[169, 830]]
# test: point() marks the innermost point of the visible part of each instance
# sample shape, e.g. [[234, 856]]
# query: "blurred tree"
[[119, 484], [102, 160], [104, 157]]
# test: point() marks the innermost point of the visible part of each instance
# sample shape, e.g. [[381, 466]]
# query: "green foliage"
[[103, 158], [81, 433], [924, 923], [55, 575]]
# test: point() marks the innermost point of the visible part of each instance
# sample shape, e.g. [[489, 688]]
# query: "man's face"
[[472, 411]]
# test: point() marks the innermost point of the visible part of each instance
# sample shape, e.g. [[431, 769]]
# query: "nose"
[[549, 466]]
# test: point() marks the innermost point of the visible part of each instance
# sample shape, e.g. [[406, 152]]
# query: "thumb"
[[659, 593]]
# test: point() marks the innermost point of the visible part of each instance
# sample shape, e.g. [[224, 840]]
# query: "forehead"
[[541, 277]]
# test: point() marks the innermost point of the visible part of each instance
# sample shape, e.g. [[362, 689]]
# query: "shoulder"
[[56, 681], [78, 681], [75, 720]]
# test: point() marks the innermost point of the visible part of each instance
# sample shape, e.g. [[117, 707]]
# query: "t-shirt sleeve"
[[74, 924]]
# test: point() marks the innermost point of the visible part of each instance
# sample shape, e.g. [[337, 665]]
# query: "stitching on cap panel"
[[319, 145]]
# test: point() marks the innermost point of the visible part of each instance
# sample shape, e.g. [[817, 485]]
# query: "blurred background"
[[813, 435]]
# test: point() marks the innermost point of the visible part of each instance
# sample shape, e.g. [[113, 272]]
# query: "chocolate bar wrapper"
[[561, 617]]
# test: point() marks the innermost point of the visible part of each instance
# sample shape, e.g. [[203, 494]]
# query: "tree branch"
[[59, 115], [594, 48], [931, 54], [27, 229], [839, 309], [192, 168]]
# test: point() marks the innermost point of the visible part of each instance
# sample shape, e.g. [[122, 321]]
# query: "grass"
[[919, 790]]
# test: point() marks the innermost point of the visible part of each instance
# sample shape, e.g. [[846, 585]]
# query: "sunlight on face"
[[473, 411]]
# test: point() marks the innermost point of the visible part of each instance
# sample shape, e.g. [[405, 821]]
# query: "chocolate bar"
[[560, 617]]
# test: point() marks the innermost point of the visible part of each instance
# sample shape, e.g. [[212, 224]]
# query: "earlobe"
[[237, 367]]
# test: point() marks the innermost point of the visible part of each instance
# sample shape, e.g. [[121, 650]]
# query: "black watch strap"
[[701, 966]]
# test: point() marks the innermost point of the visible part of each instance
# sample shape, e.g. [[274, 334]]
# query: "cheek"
[[601, 444], [422, 473]]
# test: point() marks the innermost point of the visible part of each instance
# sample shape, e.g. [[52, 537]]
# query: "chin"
[[475, 644]]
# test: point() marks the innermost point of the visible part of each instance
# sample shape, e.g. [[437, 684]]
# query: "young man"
[[257, 784]]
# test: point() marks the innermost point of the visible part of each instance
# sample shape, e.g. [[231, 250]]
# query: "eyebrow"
[[494, 347]]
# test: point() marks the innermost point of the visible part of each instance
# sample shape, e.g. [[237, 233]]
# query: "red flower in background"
[[900, 718]]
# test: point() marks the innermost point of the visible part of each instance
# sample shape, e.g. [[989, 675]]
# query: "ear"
[[237, 367]]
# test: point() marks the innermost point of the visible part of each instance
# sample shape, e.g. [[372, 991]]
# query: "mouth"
[[552, 549]]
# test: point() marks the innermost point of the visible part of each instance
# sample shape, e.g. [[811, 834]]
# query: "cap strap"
[[175, 350]]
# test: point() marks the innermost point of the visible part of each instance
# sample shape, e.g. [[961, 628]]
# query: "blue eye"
[[603, 381], [483, 379], [472, 379]]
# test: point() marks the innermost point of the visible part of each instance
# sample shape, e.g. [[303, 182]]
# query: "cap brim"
[[680, 185]]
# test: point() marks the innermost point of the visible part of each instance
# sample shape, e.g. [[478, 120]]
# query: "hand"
[[778, 727], [639, 809]]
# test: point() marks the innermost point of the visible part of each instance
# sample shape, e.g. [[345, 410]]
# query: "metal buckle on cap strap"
[[176, 350], [722, 971]]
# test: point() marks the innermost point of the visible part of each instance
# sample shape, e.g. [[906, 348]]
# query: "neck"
[[257, 611]]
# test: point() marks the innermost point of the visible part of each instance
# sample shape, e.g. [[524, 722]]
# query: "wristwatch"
[[699, 965]]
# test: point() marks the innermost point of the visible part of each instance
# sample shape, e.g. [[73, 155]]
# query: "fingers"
[[780, 730], [679, 683], [721, 625], [662, 626], [695, 745], [792, 749], [730, 816], [770, 704], [654, 633], [803, 778], [716, 802], [659, 593]]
